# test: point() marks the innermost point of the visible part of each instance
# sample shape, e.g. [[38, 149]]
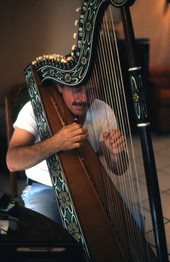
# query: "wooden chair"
[[14, 101], [160, 99]]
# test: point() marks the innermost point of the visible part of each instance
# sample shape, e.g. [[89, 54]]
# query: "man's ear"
[[60, 88]]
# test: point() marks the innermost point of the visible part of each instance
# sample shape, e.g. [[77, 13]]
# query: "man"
[[97, 123]]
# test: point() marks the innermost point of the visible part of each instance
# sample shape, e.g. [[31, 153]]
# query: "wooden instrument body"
[[100, 237]]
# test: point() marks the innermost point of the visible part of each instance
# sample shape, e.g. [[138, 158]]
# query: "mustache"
[[81, 104]]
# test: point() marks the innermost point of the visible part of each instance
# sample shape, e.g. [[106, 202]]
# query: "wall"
[[31, 28], [151, 19]]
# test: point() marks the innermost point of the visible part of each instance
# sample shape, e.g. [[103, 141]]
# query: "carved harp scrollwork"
[[101, 208]]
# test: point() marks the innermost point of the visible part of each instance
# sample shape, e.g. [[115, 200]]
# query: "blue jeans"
[[42, 199]]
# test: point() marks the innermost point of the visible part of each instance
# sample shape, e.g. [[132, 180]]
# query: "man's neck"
[[79, 119]]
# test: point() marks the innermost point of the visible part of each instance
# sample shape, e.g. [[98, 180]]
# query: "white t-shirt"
[[99, 118]]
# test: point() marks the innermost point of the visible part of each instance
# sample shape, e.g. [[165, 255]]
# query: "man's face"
[[77, 99]]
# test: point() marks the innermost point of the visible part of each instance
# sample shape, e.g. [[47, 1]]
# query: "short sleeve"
[[107, 120], [26, 119]]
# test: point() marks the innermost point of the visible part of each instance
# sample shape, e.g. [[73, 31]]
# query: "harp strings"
[[118, 97], [112, 92], [107, 80]]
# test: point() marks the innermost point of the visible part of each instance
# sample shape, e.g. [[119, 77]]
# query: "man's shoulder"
[[100, 104], [27, 107]]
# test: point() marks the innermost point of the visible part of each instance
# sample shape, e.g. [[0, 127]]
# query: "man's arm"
[[23, 153]]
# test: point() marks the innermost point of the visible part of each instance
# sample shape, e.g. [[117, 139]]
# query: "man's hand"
[[114, 141], [114, 150], [70, 137]]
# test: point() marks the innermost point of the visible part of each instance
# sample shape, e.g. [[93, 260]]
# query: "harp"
[[82, 181]]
